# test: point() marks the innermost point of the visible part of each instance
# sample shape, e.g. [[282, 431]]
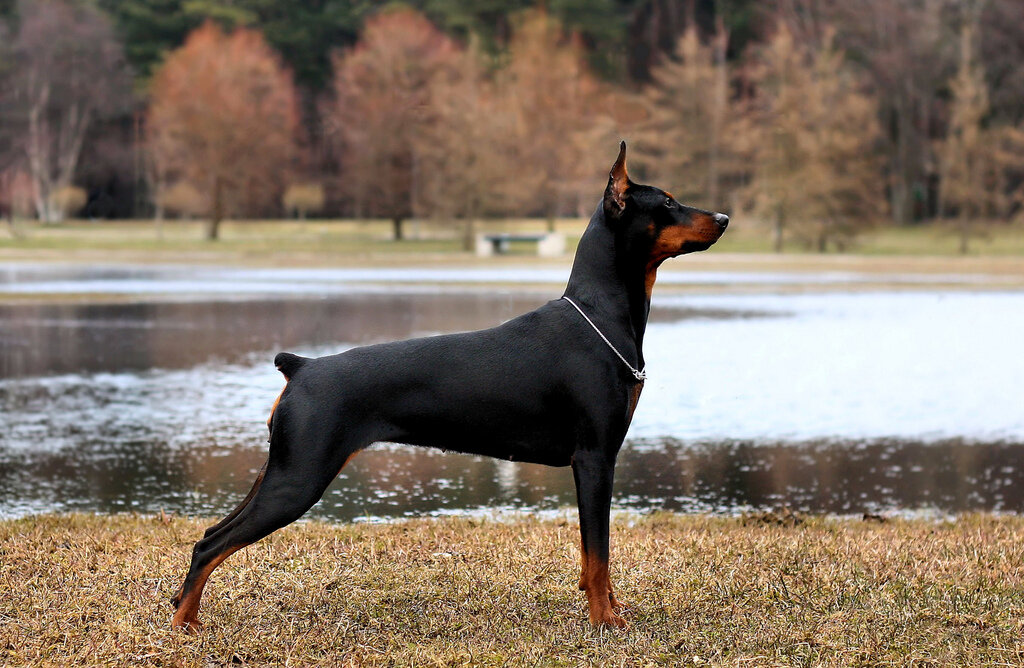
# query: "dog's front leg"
[[593, 472]]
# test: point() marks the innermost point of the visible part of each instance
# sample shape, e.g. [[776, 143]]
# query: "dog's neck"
[[608, 282]]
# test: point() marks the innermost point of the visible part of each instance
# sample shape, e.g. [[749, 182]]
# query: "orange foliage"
[[382, 107], [222, 118], [428, 128], [558, 127], [468, 149]]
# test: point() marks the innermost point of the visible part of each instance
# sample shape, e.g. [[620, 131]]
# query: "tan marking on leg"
[[186, 617], [634, 399], [176, 599], [583, 567], [583, 580], [600, 598]]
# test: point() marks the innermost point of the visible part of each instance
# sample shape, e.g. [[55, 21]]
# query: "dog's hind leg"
[[297, 473], [593, 472], [256, 484], [248, 497], [176, 599]]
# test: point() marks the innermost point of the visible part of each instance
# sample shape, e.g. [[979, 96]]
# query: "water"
[[844, 403], [202, 281]]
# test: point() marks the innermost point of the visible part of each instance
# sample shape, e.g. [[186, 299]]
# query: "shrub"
[[183, 199], [68, 201], [303, 198]]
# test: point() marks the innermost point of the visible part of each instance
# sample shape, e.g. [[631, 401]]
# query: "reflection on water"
[[38, 339], [399, 481], [47, 339], [838, 403]]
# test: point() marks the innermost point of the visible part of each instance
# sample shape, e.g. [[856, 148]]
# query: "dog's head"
[[653, 223]]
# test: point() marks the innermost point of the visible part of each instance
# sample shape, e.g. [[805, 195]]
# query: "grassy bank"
[[94, 590], [325, 241], [878, 262]]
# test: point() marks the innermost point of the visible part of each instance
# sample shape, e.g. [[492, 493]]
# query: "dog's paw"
[[190, 625], [607, 618]]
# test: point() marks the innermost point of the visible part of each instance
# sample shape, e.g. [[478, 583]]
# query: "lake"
[[839, 402]]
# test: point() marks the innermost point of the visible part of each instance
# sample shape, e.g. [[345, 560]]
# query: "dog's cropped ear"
[[618, 184]]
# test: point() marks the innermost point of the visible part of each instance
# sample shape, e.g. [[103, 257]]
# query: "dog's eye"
[[669, 202]]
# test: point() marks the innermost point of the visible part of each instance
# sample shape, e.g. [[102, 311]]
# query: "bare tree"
[[1001, 52], [222, 119], [381, 108], [548, 88], [978, 156], [67, 70], [686, 135], [814, 129], [467, 152], [908, 50]]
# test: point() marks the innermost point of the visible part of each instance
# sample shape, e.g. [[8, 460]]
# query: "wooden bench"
[[551, 244]]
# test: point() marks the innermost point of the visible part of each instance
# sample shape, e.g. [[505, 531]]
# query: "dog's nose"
[[722, 220]]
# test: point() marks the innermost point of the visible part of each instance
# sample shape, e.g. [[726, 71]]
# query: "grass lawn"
[[324, 241], [741, 592]]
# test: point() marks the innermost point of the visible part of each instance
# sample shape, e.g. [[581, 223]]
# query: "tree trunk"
[[36, 152], [469, 235], [7, 189], [551, 224], [719, 100], [217, 214], [777, 236], [965, 234], [12, 224], [396, 223], [158, 211], [900, 198]]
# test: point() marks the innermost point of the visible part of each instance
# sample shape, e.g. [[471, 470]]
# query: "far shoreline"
[[707, 274]]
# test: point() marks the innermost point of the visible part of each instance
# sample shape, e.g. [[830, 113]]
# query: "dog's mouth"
[[710, 229], [703, 231]]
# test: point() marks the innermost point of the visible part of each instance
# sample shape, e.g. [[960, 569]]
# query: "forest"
[[817, 119]]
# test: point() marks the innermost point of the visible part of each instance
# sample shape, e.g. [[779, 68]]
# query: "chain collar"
[[641, 374]]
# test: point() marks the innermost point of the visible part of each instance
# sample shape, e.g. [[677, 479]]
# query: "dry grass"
[[325, 242], [94, 590], [318, 242], [882, 257]]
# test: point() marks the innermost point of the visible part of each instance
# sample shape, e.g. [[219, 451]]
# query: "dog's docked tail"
[[288, 364]]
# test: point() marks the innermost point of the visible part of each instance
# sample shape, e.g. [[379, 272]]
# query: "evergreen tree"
[[981, 162], [552, 96], [685, 138], [813, 133], [150, 29], [304, 33]]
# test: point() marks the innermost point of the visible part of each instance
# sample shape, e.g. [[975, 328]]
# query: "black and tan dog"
[[556, 386]]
